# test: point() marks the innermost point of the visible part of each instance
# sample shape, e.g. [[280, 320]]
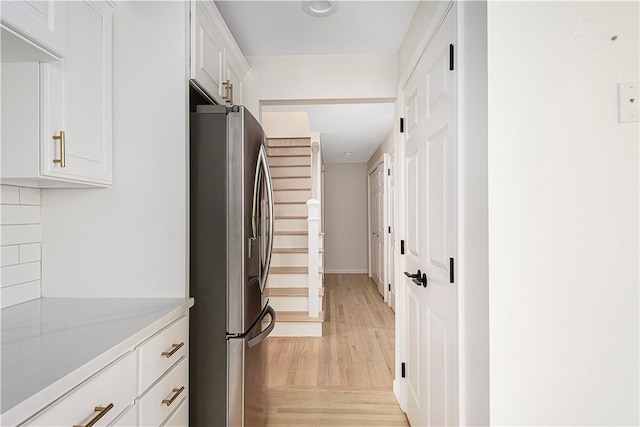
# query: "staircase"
[[290, 163]]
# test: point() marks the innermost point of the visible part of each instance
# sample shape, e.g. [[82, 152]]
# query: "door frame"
[[382, 160]]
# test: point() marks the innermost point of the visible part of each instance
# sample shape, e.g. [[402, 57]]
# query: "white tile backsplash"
[[21, 244], [30, 196], [10, 255]]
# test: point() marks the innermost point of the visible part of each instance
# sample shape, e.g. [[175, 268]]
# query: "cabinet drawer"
[[128, 418], [167, 394], [115, 387], [180, 418], [161, 351]]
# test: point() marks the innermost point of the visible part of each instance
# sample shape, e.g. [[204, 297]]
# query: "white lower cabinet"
[[179, 417], [128, 418], [167, 394], [101, 398], [146, 386]]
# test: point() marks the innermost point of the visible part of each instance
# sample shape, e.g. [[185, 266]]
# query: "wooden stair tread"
[[292, 270], [294, 233], [289, 166], [298, 316], [291, 189], [291, 217], [291, 292], [289, 203], [293, 176], [293, 250], [286, 155]]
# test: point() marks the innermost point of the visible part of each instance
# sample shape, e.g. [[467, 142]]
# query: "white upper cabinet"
[[217, 64], [72, 146], [207, 51], [76, 99], [41, 21]]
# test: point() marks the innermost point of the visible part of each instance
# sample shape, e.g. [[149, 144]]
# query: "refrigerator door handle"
[[262, 159], [262, 335]]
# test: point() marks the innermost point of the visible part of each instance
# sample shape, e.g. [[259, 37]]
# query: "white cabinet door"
[[207, 51], [76, 98], [233, 77], [40, 21]]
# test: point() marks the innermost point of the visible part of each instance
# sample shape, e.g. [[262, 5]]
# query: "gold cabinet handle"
[[62, 149], [177, 392], [228, 95], [176, 347], [102, 411]]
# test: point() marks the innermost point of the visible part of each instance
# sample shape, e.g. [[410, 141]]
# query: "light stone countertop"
[[51, 344]]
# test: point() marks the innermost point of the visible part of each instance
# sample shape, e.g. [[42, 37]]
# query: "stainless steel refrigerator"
[[231, 232]]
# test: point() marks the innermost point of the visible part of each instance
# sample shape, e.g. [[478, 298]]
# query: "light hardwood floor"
[[345, 377]]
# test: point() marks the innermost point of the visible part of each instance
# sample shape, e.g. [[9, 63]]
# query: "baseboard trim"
[[347, 271]]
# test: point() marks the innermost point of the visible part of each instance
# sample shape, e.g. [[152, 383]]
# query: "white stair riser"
[[291, 171], [290, 225], [291, 183], [297, 329], [297, 210], [292, 196], [292, 260], [293, 241], [289, 303], [289, 151], [288, 280], [285, 161], [289, 142]]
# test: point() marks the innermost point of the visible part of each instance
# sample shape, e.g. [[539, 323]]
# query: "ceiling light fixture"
[[348, 153], [320, 8]]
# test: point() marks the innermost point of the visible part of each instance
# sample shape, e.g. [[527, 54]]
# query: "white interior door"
[[380, 231], [375, 220], [429, 219], [391, 236]]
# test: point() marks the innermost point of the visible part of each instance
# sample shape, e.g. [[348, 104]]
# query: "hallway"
[[345, 377]]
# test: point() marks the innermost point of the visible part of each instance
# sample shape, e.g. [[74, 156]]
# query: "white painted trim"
[[347, 271]]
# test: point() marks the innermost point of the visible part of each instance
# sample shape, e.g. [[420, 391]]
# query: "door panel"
[[429, 218]]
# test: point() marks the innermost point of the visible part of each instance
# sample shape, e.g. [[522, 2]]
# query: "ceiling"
[[355, 128], [272, 28], [268, 28]]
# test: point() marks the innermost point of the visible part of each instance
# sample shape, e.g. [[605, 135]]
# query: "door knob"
[[420, 279], [412, 276]]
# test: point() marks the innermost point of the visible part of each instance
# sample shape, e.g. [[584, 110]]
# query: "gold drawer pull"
[[102, 411], [63, 155], [176, 347], [177, 392]]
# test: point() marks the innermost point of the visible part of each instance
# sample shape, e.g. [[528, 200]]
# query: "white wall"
[[386, 146], [130, 240], [319, 77], [292, 124], [473, 230], [563, 214], [345, 217], [21, 243]]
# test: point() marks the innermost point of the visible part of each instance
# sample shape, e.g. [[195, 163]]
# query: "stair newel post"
[[313, 207]]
